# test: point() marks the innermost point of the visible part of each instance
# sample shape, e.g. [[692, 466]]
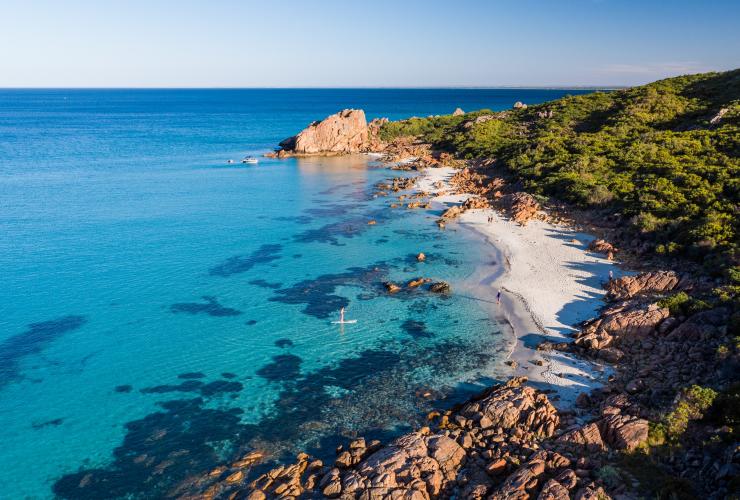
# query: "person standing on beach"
[[498, 297]]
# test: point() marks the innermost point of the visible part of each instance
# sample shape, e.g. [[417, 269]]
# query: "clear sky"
[[349, 43]]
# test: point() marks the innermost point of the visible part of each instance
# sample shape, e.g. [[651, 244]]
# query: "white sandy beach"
[[549, 282]]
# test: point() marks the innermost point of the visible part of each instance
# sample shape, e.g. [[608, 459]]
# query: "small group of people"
[[490, 219]]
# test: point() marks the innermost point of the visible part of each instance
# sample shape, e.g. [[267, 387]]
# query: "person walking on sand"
[[498, 297]]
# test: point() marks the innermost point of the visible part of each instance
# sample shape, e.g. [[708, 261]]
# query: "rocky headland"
[[344, 132]]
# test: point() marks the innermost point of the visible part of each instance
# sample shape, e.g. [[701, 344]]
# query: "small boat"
[[229, 161], [250, 160]]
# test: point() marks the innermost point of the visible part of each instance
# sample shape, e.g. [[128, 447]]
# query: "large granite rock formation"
[[651, 282], [340, 133]]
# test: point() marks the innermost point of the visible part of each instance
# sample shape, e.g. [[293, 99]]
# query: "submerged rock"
[[440, 287]]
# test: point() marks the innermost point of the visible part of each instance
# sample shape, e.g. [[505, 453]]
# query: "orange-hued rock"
[[343, 132]]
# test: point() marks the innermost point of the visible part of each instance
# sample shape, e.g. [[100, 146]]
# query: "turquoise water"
[[163, 312]]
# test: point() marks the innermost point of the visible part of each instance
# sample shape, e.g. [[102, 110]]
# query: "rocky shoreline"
[[511, 441]]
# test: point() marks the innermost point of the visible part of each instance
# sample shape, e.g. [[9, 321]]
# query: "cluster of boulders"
[[483, 119], [434, 286], [521, 207], [604, 247], [658, 353], [395, 185], [655, 282], [468, 181], [474, 202], [405, 153], [503, 444]]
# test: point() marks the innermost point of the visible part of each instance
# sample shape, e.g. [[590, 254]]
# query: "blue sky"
[[328, 43]]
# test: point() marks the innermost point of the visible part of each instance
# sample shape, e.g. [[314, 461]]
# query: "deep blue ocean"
[[163, 311]]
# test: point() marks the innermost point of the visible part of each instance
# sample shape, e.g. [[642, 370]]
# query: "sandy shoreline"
[[549, 282]]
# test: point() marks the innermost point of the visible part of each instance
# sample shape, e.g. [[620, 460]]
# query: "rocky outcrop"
[[601, 246], [716, 119], [458, 112], [586, 439], [440, 287], [467, 181], [415, 464], [620, 323], [375, 143], [522, 207], [341, 133], [652, 282]]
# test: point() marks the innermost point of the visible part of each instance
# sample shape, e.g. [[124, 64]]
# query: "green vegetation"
[[652, 153], [692, 404], [682, 304]]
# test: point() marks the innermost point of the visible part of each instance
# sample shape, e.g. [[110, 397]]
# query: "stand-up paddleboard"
[[345, 322]]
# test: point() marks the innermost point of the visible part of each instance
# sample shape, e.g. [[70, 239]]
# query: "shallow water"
[[162, 311]]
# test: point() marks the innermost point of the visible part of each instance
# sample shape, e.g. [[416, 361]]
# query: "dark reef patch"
[[191, 375], [250, 322], [417, 329], [318, 294], [32, 341], [417, 234], [49, 423], [332, 209], [228, 375], [243, 263], [205, 389], [283, 367], [158, 452], [211, 307], [284, 343], [347, 228], [265, 284], [298, 219], [220, 387], [187, 386], [338, 187], [170, 452], [123, 388]]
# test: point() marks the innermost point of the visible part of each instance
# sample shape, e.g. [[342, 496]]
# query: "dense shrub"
[[692, 403], [649, 152]]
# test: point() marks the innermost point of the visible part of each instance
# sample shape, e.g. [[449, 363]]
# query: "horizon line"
[[368, 87]]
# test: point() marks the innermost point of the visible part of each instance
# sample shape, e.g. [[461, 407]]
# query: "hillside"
[[664, 156]]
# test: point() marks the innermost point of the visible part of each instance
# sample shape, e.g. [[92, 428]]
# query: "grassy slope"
[[648, 153]]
